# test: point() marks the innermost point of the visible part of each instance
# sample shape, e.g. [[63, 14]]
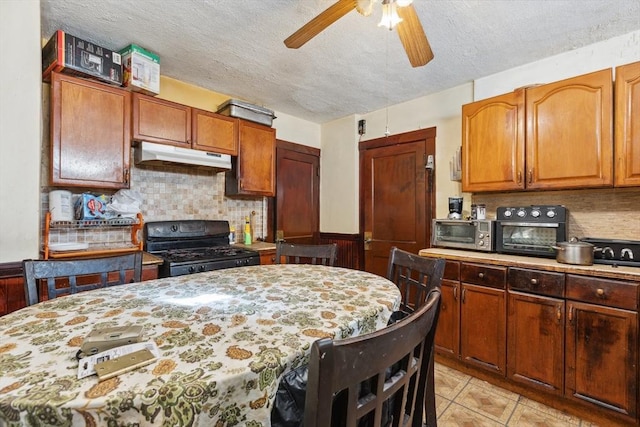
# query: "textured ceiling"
[[353, 67]]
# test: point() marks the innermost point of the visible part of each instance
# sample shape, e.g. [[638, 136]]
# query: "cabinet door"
[[447, 340], [253, 172], [482, 327], [164, 122], [90, 134], [535, 340], [214, 132], [569, 133], [267, 257], [493, 143], [627, 134], [602, 357]]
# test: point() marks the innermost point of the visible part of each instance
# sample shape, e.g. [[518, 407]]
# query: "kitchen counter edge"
[[599, 270]]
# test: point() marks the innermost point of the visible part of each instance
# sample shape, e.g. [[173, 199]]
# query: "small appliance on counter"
[[615, 252], [455, 208], [530, 230], [475, 235]]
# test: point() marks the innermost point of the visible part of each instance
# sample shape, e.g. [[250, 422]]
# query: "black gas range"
[[194, 246], [615, 252]]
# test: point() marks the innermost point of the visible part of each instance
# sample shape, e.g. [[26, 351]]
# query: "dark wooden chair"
[[349, 380], [416, 277], [65, 277], [306, 254]]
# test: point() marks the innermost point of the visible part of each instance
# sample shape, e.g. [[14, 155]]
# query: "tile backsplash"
[[603, 213]]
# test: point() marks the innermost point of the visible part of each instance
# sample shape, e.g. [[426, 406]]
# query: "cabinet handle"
[[519, 177], [530, 176], [600, 292], [455, 293], [559, 313], [126, 176], [464, 292], [534, 281], [571, 313], [481, 275]]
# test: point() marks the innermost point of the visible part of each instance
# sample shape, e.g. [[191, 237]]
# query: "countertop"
[[258, 246], [549, 264], [148, 259]]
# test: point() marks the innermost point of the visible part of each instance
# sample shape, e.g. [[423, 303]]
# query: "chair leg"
[[430, 396]]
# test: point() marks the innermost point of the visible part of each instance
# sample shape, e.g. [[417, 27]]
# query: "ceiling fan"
[[396, 13]]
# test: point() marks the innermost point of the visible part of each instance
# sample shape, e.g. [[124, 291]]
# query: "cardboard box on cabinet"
[[73, 55], [141, 69]]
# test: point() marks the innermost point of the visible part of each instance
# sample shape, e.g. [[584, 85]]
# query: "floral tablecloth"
[[225, 339]]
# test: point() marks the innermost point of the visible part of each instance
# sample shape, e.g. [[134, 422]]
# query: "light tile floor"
[[465, 401]]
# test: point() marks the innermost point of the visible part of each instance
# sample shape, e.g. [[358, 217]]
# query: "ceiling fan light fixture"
[[404, 3], [390, 16]]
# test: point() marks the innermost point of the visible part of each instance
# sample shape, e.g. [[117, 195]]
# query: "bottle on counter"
[[247, 231], [232, 235]]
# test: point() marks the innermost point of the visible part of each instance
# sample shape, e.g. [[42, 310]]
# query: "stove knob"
[[535, 213], [551, 214], [521, 213], [607, 253], [507, 214], [174, 228], [627, 254], [201, 268], [192, 269], [238, 263]]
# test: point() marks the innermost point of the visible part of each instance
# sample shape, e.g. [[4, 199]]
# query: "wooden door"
[[90, 133], [397, 196], [535, 339], [493, 138], [297, 193], [214, 132], [253, 172], [482, 327], [569, 133], [627, 125], [602, 356], [160, 121]]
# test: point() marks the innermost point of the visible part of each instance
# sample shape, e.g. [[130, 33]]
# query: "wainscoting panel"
[[348, 249]]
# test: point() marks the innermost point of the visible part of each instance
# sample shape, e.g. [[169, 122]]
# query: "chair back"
[[374, 378], [415, 276], [306, 254], [65, 277]]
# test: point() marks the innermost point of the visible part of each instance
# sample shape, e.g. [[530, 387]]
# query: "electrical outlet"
[[362, 127]]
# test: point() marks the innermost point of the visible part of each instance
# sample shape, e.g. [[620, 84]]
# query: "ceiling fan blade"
[[413, 37], [319, 23]]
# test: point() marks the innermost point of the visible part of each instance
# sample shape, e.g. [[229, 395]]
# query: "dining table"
[[225, 338]]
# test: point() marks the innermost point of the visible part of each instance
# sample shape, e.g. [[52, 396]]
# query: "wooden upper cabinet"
[[569, 133], [493, 143], [164, 122], [253, 171], [214, 132], [627, 125], [90, 133], [553, 136]]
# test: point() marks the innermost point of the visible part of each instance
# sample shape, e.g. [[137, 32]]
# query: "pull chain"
[[386, 84]]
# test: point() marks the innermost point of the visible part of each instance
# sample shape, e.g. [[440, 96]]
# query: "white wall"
[[20, 129], [293, 129], [443, 110]]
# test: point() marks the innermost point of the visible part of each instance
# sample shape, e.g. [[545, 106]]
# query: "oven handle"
[[530, 224]]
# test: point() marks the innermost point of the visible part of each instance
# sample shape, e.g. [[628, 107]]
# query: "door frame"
[[397, 139]]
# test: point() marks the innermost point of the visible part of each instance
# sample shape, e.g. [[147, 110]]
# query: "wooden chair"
[[348, 379], [65, 277], [306, 254], [416, 277]]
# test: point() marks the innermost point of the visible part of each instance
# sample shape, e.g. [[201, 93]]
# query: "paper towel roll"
[[61, 205]]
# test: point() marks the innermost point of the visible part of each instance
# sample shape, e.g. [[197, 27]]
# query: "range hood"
[[151, 153]]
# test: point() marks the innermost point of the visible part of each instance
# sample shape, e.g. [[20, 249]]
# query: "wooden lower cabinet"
[[482, 327], [12, 296], [602, 357], [535, 340], [267, 257], [447, 340]]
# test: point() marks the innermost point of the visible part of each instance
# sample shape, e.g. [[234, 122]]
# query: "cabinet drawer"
[[452, 270], [483, 275], [612, 293], [537, 282]]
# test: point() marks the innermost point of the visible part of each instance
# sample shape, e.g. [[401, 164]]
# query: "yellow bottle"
[[247, 231]]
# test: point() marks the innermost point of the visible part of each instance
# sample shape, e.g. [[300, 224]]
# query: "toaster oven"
[[476, 235]]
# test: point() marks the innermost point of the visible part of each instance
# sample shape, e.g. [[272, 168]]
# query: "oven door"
[[533, 239]]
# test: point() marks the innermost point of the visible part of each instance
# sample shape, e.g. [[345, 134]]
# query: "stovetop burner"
[[615, 252], [203, 254]]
